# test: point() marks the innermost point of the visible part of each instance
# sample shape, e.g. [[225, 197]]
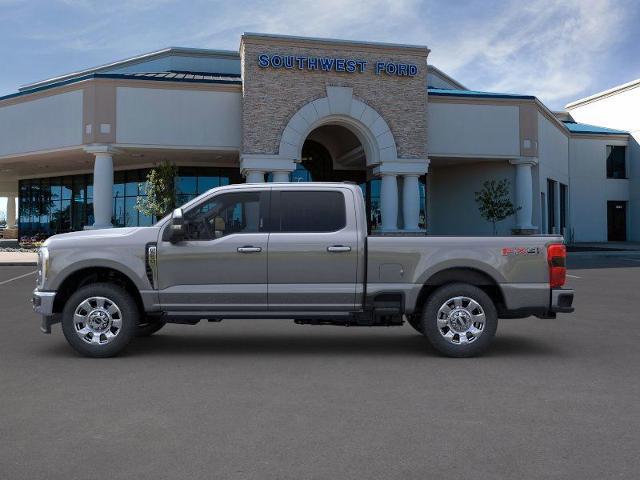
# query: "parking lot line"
[[18, 277], [573, 276]]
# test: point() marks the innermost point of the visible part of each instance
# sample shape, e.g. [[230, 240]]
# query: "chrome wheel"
[[97, 320], [461, 320]]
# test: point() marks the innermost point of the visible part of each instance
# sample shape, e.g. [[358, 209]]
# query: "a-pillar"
[[102, 185], [524, 195]]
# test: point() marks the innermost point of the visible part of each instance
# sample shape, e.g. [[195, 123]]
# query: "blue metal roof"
[[188, 77], [585, 128], [444, 92]]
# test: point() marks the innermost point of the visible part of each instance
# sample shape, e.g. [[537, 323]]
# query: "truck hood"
[[105, 237]]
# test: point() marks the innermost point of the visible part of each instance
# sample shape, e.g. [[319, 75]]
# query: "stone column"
[[389, 202], [280, 176], [411, 202], [524, 195], [254, 176], [102, 185], [11, 212]]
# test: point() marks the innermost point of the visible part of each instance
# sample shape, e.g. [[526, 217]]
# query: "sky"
[[557, 50]]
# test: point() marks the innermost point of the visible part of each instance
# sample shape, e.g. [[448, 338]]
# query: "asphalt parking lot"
[[273, 400]]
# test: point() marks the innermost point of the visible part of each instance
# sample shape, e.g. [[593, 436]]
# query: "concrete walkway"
[[18, 258]]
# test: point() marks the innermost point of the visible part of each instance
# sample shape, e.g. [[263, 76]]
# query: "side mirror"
[[177, 230]]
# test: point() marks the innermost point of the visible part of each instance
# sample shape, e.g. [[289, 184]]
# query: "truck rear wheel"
[[100, 319], [460, 320]]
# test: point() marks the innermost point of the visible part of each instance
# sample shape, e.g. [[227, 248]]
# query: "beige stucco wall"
[[272, 96]]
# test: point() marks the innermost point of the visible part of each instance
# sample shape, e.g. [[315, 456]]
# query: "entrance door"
[[222, 263], [617, 221], [313, 251]]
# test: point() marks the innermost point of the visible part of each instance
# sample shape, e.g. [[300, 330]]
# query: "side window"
[[309, 211], [616, 167], [224, 215]]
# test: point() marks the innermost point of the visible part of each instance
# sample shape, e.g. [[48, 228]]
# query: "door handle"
[[338, 248], [249, 249]]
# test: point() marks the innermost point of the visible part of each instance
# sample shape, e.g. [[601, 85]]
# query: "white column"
[[11, 212], [411, 202], [254, 176], [102, 185], [524, 193], [280, 176], [389, 202]]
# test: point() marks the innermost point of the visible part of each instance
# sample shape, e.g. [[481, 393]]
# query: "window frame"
[[625, 172], [263, 213], [275, 211]]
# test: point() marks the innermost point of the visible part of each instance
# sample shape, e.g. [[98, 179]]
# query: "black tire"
[[416, 322], [450, 348], [148, 328], [128, 314]]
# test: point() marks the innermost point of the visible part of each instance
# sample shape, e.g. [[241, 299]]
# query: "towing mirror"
[[177, 226]]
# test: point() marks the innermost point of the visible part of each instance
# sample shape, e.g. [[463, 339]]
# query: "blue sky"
[[557, 50]]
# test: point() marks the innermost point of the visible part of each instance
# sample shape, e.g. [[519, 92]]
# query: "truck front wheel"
[[459, 320], [100, 319]]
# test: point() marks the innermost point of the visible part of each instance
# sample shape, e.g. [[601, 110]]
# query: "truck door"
[[313, 250], [222, 263]]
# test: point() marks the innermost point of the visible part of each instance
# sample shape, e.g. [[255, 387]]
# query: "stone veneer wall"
[[272, 96]]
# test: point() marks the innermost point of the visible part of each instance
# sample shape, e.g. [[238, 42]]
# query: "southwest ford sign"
[[334, 64]]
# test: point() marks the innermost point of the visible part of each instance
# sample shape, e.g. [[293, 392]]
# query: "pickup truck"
[[296, 251]]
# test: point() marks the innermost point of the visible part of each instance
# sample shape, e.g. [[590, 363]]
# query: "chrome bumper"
[[42, 303]]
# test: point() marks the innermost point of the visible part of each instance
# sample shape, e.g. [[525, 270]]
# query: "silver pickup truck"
[[292, 251]]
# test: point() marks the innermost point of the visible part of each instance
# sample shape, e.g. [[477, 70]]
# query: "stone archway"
[[339, 107]]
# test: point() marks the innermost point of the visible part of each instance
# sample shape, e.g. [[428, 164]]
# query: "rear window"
[[306, 211]]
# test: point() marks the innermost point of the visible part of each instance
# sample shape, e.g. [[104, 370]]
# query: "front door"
[[313, 251], [222, 263], [617, 221]]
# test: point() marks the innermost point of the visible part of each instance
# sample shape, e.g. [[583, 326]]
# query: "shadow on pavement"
[[242, 344]]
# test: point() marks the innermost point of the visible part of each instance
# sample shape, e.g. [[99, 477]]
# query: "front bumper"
[[42, 303], [562, 300]]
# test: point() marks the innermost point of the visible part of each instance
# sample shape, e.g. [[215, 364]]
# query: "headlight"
[[43, 266]]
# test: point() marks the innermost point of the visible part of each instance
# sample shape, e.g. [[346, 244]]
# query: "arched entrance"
[[341, 138]]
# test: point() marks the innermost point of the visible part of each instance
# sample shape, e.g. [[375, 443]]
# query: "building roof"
[[604, 93], [474, 93], [585, 128], [171, 76], [132, 61]]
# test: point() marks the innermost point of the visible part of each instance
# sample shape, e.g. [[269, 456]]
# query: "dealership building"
[[75, 149]]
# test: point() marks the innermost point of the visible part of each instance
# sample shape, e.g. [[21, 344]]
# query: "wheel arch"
[[469, 275], [97, 274]]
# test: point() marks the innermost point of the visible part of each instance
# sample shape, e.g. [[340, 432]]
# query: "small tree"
[[494, 202], [160, 191]]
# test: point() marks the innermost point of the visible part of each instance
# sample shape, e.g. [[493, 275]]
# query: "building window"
[[551, 205], [616, 161], [54, 205], [564, 189]]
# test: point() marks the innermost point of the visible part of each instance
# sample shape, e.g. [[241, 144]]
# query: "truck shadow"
[[410, 345]]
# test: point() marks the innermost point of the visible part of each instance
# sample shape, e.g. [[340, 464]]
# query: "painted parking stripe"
[[573, 276], [18, 278]]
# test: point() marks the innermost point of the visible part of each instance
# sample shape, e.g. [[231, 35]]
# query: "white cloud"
[[547, 48]]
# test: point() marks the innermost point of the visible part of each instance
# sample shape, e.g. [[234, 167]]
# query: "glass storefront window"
[[61, 204]]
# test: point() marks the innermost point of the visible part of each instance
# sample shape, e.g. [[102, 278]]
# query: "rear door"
[[313, 250]]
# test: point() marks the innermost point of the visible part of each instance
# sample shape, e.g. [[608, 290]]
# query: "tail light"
[[557, 258]]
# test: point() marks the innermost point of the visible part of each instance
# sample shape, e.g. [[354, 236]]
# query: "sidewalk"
[[604, 247], [18, 259]]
